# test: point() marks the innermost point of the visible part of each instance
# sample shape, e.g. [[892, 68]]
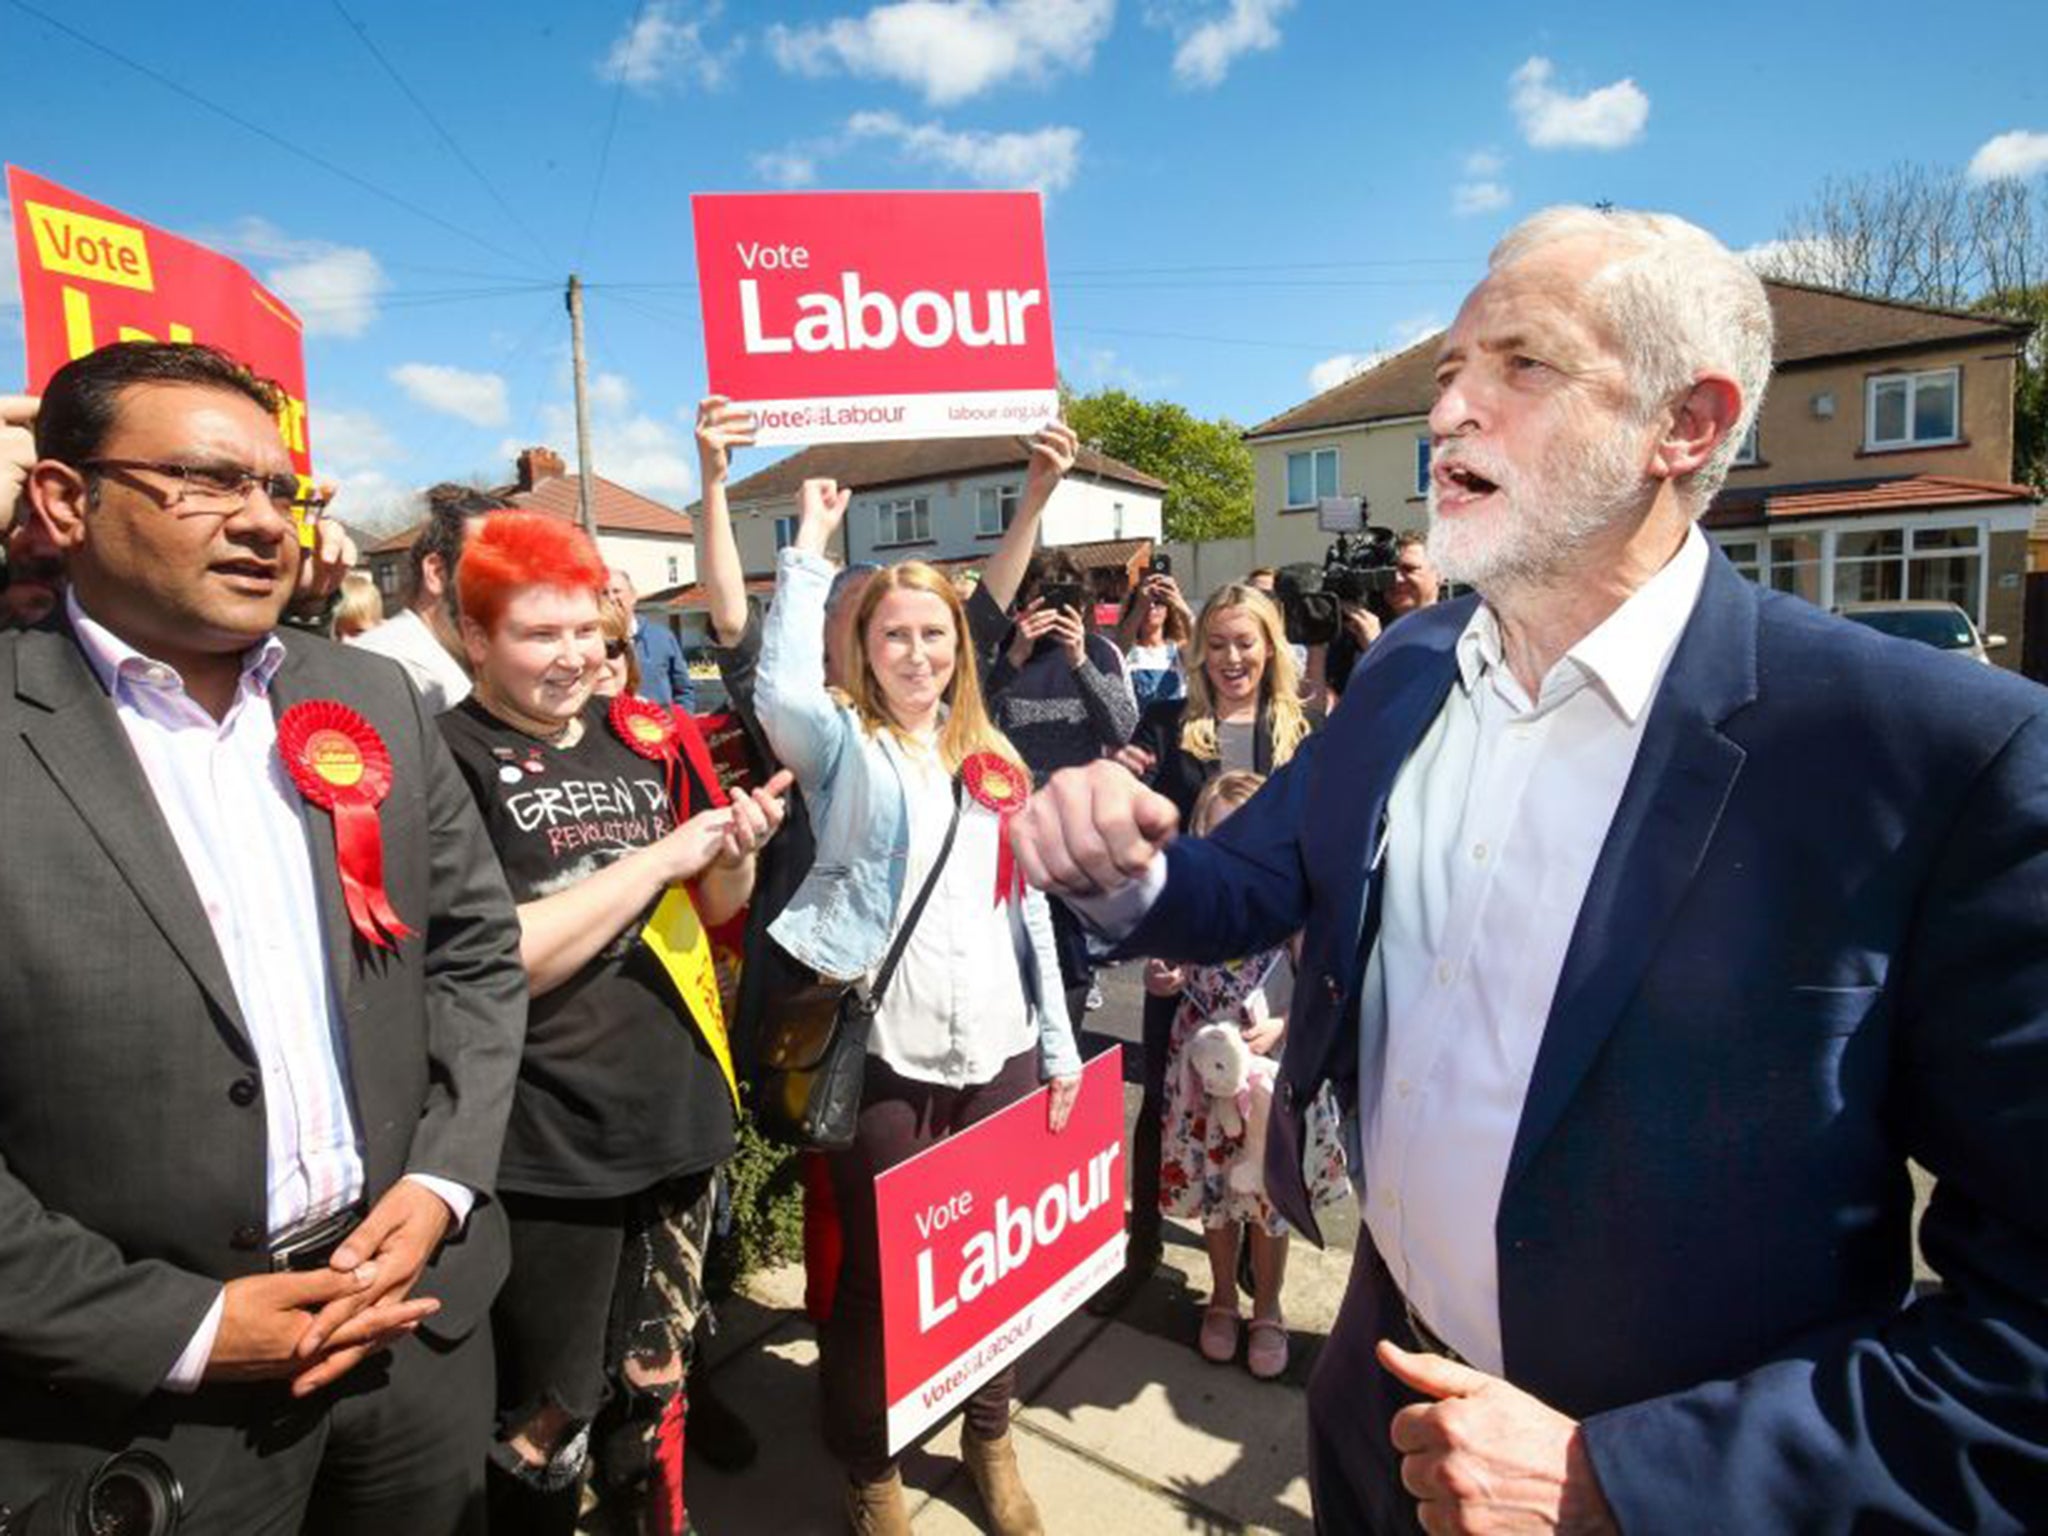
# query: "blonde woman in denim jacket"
[[974, 1018]]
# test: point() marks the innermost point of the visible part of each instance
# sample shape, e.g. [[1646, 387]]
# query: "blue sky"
[[1242, 194]]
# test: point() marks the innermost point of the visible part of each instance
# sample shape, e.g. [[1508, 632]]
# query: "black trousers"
[[1145, 1219], [396, 1445], [898, 1117]]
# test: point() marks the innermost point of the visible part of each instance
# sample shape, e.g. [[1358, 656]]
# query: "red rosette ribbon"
[[341, 764], [651, 731], [996, 782]]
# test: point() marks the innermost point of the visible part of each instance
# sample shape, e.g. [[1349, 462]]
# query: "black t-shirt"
[[617, 1089]]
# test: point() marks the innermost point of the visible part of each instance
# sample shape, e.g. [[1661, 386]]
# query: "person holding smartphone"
[[1153, 631], [1059, 693]]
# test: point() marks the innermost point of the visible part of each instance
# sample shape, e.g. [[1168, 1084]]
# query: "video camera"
[[1356, 572]]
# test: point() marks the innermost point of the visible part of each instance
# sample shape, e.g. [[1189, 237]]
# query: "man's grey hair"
[[1678, 303]]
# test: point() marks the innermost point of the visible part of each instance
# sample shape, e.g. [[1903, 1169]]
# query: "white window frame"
[[1004, 500], [889, 521], [1749, 451], [675, 570], [1761, 569], [1913, 382], [1314, 456], [1422, 458]]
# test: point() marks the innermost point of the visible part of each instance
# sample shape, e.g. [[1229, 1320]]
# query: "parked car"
[[1941, 625]]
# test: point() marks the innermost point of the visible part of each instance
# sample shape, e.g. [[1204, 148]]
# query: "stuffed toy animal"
[[1240, 1089]]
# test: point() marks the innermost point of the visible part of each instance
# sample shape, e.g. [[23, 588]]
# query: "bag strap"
[[931, 881]]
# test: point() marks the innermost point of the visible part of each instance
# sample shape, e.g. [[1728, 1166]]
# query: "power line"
[[1219, 341], [604, 153], [264, 133], [363, 35]]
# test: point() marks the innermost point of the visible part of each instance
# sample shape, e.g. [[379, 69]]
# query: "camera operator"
[[1373, 578]]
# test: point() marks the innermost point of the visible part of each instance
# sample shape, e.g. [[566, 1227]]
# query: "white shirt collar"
[[1625, 654], [114, 661]]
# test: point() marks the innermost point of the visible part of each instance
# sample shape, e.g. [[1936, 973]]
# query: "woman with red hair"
[[618, 855]]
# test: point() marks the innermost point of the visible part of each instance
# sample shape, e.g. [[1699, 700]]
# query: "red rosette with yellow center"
[[340, 763], [996, 782], [652, 732]]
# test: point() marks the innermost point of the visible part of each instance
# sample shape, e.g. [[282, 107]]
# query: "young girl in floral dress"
[[1196, 1152]]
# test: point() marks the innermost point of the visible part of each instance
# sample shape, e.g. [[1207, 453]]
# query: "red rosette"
[[340, 763], [1000, 785], [651, 731]]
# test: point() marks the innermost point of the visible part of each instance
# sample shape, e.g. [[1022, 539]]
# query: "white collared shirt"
[[1494, 826], [956, 1009]]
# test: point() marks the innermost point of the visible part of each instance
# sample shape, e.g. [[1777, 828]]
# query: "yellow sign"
[[676, 935], [99, 250]]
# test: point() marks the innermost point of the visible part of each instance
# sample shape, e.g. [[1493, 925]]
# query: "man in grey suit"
[[247, 1135]]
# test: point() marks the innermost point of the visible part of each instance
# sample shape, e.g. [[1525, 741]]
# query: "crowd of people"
[[1613, 935]]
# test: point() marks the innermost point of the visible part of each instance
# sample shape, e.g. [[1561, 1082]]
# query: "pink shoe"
[[1266, 1358], [1218, 1342]]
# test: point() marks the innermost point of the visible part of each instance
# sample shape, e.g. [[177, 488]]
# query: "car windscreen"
[[1945, 630]]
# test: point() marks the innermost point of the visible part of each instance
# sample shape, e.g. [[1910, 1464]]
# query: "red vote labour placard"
[[853, 316], [990, 1238], [91, 275]]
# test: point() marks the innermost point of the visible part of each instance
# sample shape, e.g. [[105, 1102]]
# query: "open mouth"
[[1459, 482]]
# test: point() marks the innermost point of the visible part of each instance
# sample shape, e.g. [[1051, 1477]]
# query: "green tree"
[[1205, 464], [2030, 382]]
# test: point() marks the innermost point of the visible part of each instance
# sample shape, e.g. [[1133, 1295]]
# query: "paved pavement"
[[1121, 1427]]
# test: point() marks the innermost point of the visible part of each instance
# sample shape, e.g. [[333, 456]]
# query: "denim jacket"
[[841, 918]]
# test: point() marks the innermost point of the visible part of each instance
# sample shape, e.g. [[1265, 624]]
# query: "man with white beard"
[[1653, 923]]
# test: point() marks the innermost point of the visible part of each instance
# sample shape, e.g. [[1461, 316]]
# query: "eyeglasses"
[[224, 487], [614, 649]]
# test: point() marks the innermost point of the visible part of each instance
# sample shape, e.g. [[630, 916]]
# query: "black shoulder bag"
[[815, 1058]]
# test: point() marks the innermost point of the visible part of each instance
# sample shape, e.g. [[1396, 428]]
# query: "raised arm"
[[721, 427], [1052, 455], [805, 728]]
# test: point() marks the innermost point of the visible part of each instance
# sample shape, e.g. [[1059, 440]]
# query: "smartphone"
[[1062, 594], [1162, 564]]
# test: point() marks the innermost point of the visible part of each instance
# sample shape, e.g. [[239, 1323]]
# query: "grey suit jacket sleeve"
[[76, 1315], [476, 985]]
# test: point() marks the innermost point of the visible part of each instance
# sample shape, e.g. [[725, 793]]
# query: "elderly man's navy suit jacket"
[[1815, 946]]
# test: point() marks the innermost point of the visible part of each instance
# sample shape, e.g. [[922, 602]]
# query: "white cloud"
[[1209, 48], [373, 503], [637, 451], [2017, 154], [1403, 333], [1610, 117], [334, 288], [352, 440], [662, 47], [1484, 163], [787, 168], [949, 51], [1332, 371], [477, 398], [1469, 197], [610, 392], [1104, 368], [1044, 160]]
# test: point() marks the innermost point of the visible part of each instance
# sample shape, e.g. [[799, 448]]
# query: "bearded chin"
[[1537, 529]]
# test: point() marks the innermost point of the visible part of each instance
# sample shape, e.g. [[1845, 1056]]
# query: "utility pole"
[[575, 302]]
